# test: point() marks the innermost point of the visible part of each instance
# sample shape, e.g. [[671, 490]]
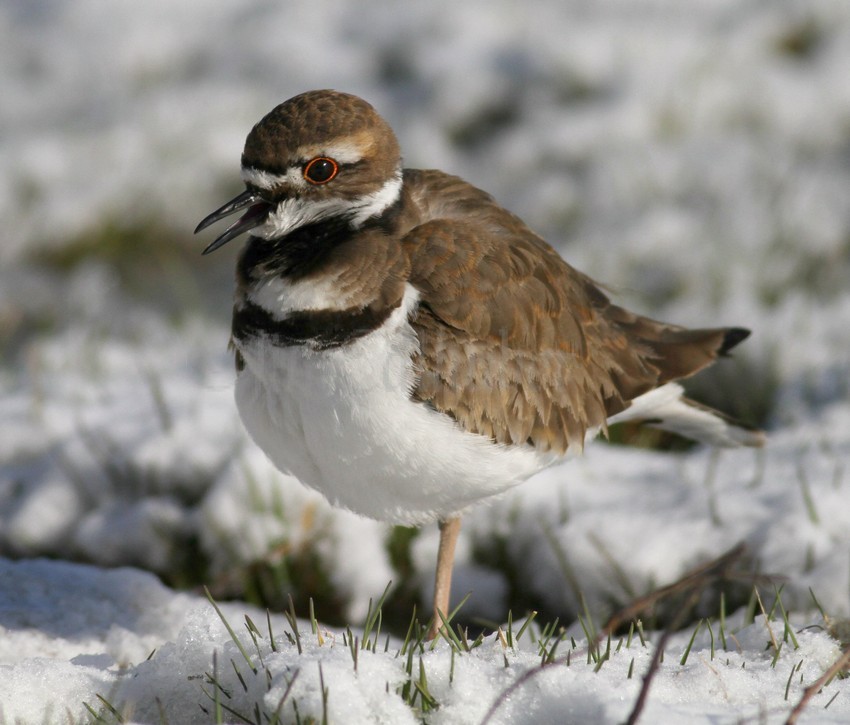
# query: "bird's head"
[[317, 156]]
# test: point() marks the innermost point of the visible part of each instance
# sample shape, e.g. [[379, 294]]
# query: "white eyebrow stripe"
[[344, 152], [347, 150]]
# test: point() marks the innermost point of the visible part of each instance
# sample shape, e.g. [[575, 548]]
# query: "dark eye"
[[320, 170]]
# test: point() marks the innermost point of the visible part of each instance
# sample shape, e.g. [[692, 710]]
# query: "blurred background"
[[694, 157]]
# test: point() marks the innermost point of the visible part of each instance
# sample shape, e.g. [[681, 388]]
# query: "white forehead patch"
[[269, 181]]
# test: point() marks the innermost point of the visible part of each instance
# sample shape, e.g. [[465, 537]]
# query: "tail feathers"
[[666, 408]]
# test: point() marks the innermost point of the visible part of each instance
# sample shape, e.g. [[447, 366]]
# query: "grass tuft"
[[808, 499], [373, 621], [711, 639], [230, 631], [528, 620], [687, 651], [788, 634]]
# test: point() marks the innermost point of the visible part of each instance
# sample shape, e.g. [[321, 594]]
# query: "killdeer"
[[408, 347]]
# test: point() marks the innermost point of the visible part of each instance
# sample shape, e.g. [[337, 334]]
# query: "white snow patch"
[[72, 632]]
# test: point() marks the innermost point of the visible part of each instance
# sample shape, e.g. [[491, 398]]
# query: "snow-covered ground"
[[75, 634], [694, 156]]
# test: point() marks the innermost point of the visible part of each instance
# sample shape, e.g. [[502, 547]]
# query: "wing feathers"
[[517, 345]]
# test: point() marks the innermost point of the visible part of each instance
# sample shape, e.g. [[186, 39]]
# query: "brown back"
[[517, 345]]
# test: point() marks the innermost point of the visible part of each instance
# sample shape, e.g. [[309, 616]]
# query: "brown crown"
[[314, 118]]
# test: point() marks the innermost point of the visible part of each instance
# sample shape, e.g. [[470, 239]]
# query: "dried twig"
[[699, 577], [813, 689], [656, 657], [691, 584], [694, 582]]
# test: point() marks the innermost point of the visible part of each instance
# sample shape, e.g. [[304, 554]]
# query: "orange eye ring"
[[320, 170]]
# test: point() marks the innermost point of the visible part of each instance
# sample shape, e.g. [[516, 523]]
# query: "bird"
[[409, 348]]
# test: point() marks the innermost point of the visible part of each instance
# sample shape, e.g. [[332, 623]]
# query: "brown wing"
[[517, 345]]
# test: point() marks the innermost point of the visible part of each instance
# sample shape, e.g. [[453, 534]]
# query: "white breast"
[[342, 421]]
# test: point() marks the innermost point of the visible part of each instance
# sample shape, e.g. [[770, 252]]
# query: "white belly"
[[342, 421]]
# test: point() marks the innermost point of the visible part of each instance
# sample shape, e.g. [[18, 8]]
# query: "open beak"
[[258, 211]]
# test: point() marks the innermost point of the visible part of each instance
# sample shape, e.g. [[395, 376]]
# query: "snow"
[[693, 157], [150, 653]]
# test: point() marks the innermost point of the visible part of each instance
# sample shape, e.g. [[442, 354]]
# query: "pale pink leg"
[[443, 580]]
